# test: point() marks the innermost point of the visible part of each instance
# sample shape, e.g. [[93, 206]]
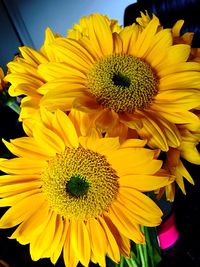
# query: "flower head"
[[137, 76], [72, 193], [175, 167], [190, 137]]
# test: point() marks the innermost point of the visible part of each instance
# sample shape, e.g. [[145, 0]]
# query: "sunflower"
[[136, 76], [24, 77], [190, 137], [175, 166], [72, 193]]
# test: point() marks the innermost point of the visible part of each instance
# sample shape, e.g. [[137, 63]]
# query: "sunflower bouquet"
[[108, 113]]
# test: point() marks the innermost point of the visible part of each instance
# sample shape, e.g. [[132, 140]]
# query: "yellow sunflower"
[[136, 76], [24, 77], [190, 138], [80, 195], [175, 167], [185, 38]]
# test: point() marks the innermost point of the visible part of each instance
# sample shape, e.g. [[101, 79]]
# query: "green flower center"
[[122, 83], [121, 80], [77, 186], [79, 183]]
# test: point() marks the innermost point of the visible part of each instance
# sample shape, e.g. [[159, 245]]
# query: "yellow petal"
[[27, 147], [180, 182], [153, 133], [113, 249], [33, 226], [117, 43], [65, 128], [62, 85], [169, 131], [57, 237], [69, 254], [83, 122], [146, 218], [139, 208], [122, 242], [182, 170], [22, 67], [76, 49], [48, 139], [100, 34], [39, 247], [98, 241], [80, 241], [56, 70], [86, 104], [175, 54], [135, 161], [157, 51], [71, 53], [21, 165], [60, 98], [145, 38], [61, 245], [170, 192], [177, 27], [179, 117], [190, 152], [179, 67], [11, 200], [32, 56], [106, 120], [17, 188], [16, 79], [141, 202], [18, 178], [104, 145], [133, 143], [143, 182], [125, 225], [21, 210], [180, 80], [129, 37], [120, 130]]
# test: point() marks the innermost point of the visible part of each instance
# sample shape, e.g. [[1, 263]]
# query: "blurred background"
[[23, 22]]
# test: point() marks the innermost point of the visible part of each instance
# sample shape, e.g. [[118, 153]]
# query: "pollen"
[[122, 83], [80, 183]]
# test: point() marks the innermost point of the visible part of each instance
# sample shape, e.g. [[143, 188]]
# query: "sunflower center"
[[77, 186], [79, 183], [121, 80], [123, 83]]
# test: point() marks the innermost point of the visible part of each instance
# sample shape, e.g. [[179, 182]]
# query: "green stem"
[[13, 105], [142, 256], [149, 245], [131, 263], [144, 247], [121, 262], [7, 100], [138, 254]]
